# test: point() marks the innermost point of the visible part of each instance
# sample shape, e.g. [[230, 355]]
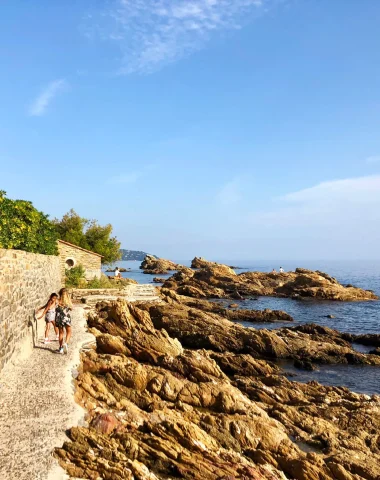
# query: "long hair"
[[64, 298], [49, 303]]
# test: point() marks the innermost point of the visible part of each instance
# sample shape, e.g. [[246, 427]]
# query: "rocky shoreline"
[[213, 280], [177, 390]]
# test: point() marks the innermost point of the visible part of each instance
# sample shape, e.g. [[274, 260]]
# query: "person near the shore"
[[63, 319], [117, 272], [281, 270], [274, 271], [49, 310]]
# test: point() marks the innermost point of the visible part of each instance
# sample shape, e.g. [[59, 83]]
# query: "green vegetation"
[[88, 234], [23, 227], [75, 277], [105, 282]]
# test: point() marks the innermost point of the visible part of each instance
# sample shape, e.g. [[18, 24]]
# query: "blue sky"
[[244, 129]]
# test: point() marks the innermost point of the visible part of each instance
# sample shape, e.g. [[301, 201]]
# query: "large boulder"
[[158, 266]]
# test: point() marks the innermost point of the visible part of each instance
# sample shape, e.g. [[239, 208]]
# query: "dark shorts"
[[63, 317], [66, 322]]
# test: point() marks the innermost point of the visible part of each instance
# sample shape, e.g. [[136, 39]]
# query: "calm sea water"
[[353, 317]]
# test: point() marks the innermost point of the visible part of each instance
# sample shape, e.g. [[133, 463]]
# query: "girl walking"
[[63, 319], [49, 310]]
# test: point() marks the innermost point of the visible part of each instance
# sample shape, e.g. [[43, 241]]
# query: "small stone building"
[[72, 256]]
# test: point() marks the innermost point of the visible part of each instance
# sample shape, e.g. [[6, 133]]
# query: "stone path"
[[37, 399], [37, 406]]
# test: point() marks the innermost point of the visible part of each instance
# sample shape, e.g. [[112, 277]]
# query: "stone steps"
[[132, 293]]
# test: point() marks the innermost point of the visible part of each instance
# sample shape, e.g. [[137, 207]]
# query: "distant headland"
[[137, 255]]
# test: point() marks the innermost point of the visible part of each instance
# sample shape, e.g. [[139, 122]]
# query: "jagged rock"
[[111, 344], [214, 280], [241, 315], [169, 412], [375, 351], [199, 262], [207, 328], [304, 364], [159, 280], [371, 339], [158, 266]]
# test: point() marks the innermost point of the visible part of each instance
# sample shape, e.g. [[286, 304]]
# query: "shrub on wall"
[[23, 227], [75, 277]]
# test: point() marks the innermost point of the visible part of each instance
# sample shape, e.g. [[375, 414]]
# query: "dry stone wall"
[[26, 281]]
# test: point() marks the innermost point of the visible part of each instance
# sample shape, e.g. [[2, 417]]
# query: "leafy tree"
[[72, 228], [23, 227], [90, 235], [100, 241]]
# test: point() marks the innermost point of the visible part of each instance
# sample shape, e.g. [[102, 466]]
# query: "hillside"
[[133, 255]]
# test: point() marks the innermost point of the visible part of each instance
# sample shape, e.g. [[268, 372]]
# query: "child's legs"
[[47, 328], [68, 333], [60, 336], [55, 328]]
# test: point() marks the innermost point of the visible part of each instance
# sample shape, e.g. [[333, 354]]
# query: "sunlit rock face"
[[177, 391], [213, 280]]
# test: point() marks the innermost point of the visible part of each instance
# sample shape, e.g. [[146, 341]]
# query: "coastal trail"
[[37, 400]]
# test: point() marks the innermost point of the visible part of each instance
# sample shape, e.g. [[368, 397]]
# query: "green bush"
[[75, 277], [23, 227], [105, 282]]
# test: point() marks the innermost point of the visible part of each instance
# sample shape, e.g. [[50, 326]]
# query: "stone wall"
[[71, 256], [26, 281]]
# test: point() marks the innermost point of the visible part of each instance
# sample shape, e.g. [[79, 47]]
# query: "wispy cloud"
[[230, 193], [153, 33], [337, 203], [373, 159], [40, 104], [123, 178]]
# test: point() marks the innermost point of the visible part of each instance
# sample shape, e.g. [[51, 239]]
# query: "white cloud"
[[125, 178], [351, 190], [373, 159], [153, 33], [342, 203], [41, 103], [230, 193]]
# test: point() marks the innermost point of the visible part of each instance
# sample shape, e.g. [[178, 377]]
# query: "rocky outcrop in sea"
[[213, 280], [158, 266]]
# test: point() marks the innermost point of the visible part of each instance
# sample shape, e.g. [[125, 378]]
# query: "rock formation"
[[158, 266], [174, 391], [199, 262], [159, 280], [220, 281], [121, 269], [240, 315]]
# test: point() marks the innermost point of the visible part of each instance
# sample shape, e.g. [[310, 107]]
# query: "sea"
[[352, 317]]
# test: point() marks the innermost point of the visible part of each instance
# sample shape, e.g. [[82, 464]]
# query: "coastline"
[[204, 410]]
